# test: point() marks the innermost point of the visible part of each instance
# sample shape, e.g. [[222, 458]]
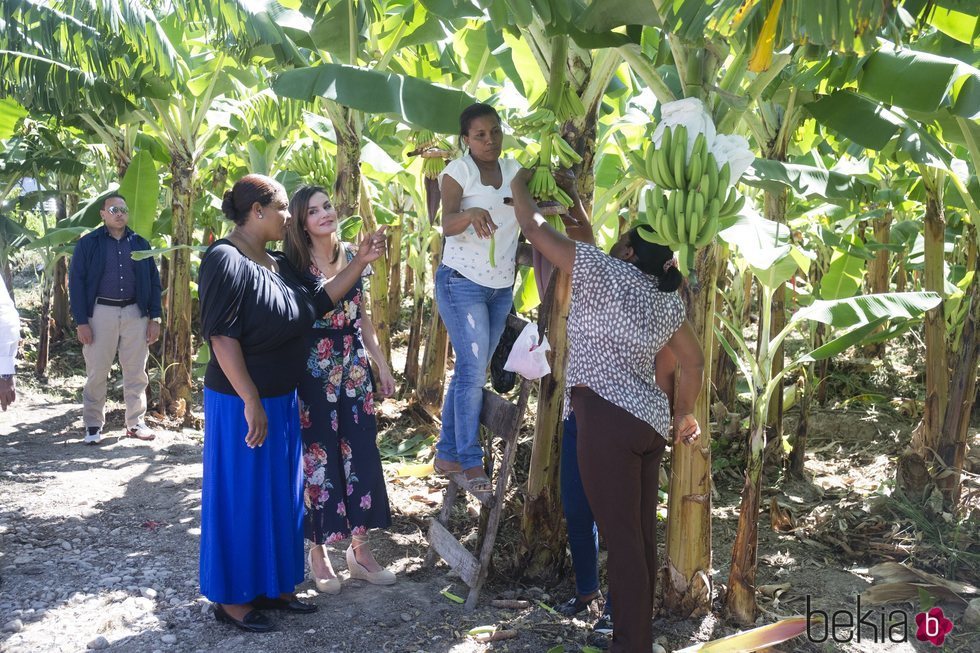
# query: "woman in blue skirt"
[[255, 314]]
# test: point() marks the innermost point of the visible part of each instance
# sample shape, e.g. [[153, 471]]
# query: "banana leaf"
[[141, 188], [415, 101]]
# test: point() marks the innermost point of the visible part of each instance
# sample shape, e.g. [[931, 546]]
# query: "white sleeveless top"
[[465, 252]]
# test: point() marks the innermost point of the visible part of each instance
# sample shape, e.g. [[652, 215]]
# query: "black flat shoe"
[[293, 605], [574, 605], [253, 622]]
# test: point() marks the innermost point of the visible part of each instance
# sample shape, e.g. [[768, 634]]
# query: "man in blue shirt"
[[115, 301]]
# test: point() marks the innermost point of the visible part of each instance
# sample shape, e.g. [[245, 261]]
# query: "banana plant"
[[774, 260]]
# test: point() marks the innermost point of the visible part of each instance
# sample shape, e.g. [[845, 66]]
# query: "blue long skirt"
[[251, 501]]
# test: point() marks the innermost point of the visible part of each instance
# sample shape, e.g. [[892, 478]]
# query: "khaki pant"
[[123, 330]]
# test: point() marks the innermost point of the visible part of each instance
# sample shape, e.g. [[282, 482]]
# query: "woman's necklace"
[[333, 262]]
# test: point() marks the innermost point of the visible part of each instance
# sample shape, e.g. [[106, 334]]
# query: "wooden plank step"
[[454, 553]]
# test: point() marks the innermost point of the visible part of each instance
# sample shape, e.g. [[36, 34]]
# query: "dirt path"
[[98, 550]]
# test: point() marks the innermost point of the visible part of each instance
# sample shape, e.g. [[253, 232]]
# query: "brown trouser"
[[619, 459], [121, 330]]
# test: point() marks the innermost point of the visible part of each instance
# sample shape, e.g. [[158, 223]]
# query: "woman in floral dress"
[[345, 493]]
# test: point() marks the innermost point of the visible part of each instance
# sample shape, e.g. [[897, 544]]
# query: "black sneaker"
[[599, 641], [604, 625], [574, 605]]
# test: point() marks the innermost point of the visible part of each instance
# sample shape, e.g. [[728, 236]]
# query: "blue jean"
[[583, 534], [475, 317]]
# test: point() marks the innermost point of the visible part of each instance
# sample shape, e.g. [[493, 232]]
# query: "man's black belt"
[[115, 302]]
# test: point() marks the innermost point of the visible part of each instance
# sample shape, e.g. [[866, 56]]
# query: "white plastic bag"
[[527, 357], [727, 148]]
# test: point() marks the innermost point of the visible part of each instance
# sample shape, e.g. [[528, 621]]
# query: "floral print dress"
[[344, 486]]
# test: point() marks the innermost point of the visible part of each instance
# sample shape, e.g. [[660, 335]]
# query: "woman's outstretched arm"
[[553, 245]]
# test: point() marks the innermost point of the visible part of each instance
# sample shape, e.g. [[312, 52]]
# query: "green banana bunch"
[[539, 119], [543, 186], [567, 157], [432, 167], [569, 104], [423, 138], [313, 165], [691, 197]]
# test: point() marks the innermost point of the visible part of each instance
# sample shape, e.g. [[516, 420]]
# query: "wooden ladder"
[[502, 419]]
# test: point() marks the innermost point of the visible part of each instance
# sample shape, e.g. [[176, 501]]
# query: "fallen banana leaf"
[[890, 572], [418, 470], [482, 630], [904, 591], [780, 517], [452, 597], [496, 636], [754, 639], [773, 591], [904, 583]]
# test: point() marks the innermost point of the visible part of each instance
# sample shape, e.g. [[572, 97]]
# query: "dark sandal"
[[477, 481]]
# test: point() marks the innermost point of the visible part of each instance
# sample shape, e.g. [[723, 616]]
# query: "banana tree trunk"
[[722, 367], [797, 455], [60, 307], [740, 599], [962, 395], [432, 376], [380, 314], [414, 343], [542, 526], [687, 578], [937, 365], [395, 273], [878, 272], [347, 187], [60, 313], [175, 387], [774, 208]]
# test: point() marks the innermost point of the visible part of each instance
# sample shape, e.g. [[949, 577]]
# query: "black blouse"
[[269, 314]]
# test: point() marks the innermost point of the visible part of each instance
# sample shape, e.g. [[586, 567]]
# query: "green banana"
[[651, 170], [663, 167], [708, 231], [679, 152], [650, 236], [712, 170], [695, 167], [729, 203], [662, 157], [723, 178], [692, 171], [669, 227], [736, 207]]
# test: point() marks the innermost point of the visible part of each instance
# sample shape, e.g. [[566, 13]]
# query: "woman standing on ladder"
[[474, 282]]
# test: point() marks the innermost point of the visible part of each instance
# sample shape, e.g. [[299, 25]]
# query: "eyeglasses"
[[118, 210]]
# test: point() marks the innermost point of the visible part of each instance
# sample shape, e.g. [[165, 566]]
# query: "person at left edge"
[[256, 312], [115, 301], [9, 337]]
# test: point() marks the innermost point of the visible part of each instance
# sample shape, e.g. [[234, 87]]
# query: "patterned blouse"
[[617, 323]]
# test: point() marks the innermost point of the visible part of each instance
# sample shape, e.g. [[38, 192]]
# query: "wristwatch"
[[6, 377]]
